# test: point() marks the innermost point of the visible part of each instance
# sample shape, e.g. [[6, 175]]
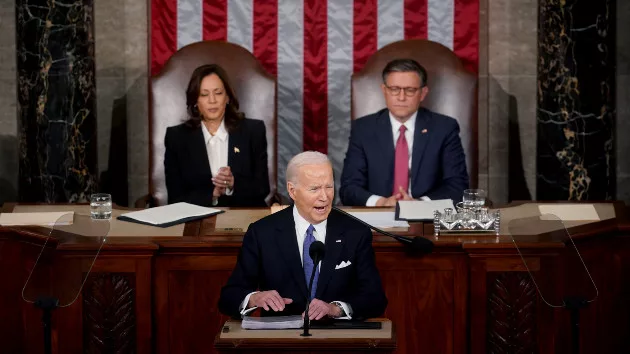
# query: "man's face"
[[403, 93], [313, 192]]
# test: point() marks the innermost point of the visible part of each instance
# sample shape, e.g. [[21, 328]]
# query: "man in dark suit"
[[274, 263], [405, 151]]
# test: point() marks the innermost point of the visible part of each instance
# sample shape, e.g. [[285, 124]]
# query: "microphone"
[[316, 251], [417, 244]]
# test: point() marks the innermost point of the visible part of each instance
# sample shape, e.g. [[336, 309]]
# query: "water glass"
[[474, 198], [101, 206]]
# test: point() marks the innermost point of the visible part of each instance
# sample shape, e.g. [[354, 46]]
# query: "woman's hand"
[[224, 179]]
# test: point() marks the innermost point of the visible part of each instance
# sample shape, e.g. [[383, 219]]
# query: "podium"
[[233, 339]]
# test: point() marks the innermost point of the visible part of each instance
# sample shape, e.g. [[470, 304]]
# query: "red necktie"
[[401, 164]]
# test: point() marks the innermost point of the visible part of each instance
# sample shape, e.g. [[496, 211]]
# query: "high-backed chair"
[[452, 89], [255, 90]]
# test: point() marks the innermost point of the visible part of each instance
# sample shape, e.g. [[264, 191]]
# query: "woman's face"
[[212, 98]]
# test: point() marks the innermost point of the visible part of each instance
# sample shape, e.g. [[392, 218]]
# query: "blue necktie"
[[308, 261]]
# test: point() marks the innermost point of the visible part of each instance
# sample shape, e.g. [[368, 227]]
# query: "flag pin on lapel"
[[424, 131], [236, 150]]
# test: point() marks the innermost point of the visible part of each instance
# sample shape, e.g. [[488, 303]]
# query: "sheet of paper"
[[272, 322], [41, 219], [380, 219], [570, 212], [422, 209], [170, 213]]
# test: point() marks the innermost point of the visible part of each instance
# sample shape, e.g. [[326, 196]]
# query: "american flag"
[[312, 47]]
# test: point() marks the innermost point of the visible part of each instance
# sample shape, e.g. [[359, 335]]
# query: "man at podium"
[[274, 267]]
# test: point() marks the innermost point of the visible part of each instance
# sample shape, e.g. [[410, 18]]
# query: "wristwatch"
[[340, 308]]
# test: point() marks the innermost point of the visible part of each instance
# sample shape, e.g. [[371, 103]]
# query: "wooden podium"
[[233, 339]]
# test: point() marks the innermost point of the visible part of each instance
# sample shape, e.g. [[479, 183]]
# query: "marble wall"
[[56, 101], [507, 97], [576, 100]]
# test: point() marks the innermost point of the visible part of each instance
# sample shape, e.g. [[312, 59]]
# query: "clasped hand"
[[270, 299], [222, 181], [391, 201]]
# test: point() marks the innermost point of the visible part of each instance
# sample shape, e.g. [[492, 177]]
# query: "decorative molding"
[[109, 319], [511, 319]]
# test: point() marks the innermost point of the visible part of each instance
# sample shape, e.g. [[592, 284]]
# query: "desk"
[[159, 293], [238, 340]]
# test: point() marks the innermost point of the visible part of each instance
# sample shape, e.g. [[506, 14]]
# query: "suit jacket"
[[187, 169], [438, 163], [269, 260]]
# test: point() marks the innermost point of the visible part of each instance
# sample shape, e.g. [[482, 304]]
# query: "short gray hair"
[[303, 159]]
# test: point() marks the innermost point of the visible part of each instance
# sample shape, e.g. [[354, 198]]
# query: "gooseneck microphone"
[[417, 244], [316, 251]]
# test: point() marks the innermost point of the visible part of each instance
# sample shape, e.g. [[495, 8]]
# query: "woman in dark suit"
[[217, 157]]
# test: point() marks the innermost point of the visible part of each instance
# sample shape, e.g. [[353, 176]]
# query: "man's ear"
[[423, 92], [291, 189]]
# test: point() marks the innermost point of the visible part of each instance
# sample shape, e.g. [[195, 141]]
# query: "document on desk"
[[39, 219], [380, 219], [421, 210], [169, 215], [570, 212], [272, 322]]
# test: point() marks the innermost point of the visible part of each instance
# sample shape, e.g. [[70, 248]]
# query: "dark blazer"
[[438, 162], [187, 170], [269, 260]]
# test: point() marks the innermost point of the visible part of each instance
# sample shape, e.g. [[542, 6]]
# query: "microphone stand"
[[307, 321], [47, 304]]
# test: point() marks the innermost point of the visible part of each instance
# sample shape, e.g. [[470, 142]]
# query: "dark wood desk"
[[472, 294]]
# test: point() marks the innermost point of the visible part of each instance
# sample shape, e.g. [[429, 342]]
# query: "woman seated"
[[217, 157]]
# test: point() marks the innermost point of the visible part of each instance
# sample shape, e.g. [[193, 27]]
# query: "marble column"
[[56, 100], [576, 100]]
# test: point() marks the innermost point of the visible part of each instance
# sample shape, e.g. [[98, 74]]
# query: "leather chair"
[[452, 89], [255, 89]]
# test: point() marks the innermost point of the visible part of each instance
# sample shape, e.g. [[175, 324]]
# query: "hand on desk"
[[319, 309], [268, 299], [389, 202], [404, 195]]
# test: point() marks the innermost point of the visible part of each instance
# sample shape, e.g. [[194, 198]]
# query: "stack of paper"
[[380, 219], [422, 209], [42, 219], [272, 322], [169, 215]]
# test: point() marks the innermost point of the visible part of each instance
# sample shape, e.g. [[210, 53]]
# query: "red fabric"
[[364, 28], [401, 164], [315, 105], [466, 33], [163, 38], [416, 19], [215, 20], [266, 34]]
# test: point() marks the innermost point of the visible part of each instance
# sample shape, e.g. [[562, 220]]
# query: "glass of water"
[[101, 206], [474, 198]]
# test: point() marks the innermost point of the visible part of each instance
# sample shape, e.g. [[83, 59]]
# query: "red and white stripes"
[[313, 47]]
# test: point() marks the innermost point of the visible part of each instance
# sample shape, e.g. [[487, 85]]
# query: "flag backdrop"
[[313, 47]]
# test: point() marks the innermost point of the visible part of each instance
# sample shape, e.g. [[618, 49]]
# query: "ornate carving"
[[511, 313], [109, 321]]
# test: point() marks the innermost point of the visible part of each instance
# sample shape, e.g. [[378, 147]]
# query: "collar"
[[221, 133], [410, 124], [301, 225]]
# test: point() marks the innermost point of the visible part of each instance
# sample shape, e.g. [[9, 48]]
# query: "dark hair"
[[232, 116], [405, 66]]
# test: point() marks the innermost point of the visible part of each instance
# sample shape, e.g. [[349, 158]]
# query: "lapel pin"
[[236, 150], [424, 131], [338, 241]]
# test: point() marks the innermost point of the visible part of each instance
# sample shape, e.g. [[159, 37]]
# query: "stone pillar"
[[56, 100], [576, 100]]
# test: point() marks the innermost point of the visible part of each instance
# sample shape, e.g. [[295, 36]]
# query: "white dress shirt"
[[301, 225], [217, 149], [410, 124]]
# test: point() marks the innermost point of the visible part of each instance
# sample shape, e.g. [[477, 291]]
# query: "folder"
[[169, 215]]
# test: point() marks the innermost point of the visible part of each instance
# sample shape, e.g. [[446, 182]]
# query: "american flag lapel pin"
[[424, 131], [236, 150]]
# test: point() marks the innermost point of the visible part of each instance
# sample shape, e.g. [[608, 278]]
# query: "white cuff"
[[229, 191], [372, 200], [347, 310], [243, 308], [424, 197]]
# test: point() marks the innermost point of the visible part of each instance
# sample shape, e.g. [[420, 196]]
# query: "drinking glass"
[[101, 206], [474, 198]]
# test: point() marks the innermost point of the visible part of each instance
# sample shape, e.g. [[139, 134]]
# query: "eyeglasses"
[[409, 91]]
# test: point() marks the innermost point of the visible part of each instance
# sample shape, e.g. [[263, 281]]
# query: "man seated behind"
[[404, 151], [274, 267]]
